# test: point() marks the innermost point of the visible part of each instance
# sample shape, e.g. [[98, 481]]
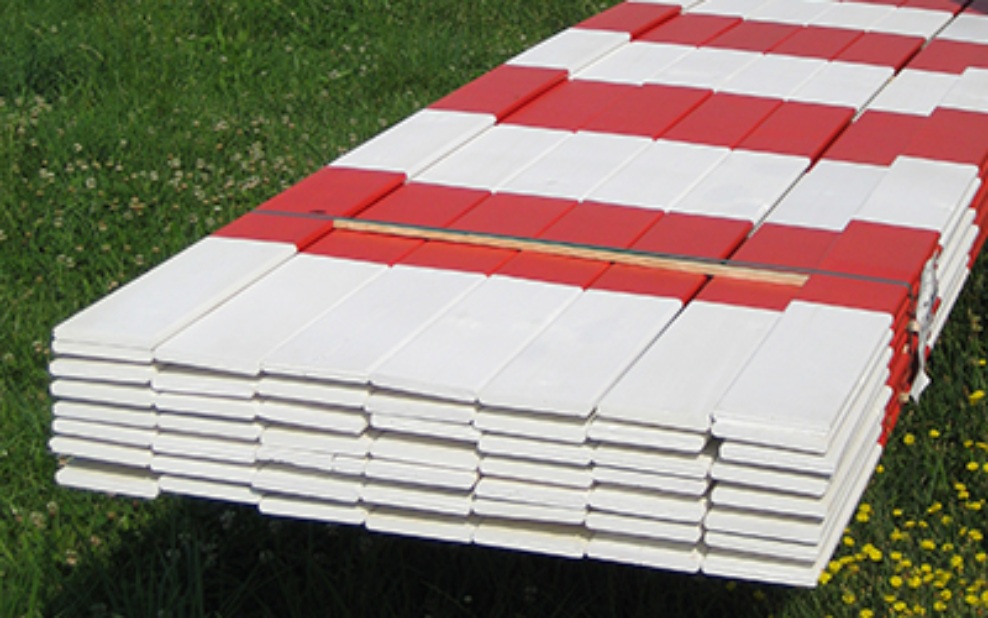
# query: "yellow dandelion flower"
[[940, 606], [974, 506], [935, 507], [864, 507], [982, 445], [960, 486], [895, 581], [825, 578], [897, 535], [915, 581], [981, 557], [896, 512], [922, 524], [968, 443], [984, 597], [926, 568], [947, 548], [963, 495], [982, 362], [862, 517], [946, 595], [834, 566], [934, 433], [866, 613], [928, 544], [946, 520], [919, 610], [909, 524], [896, 555], [905, 563], [975, 535], [879, 469], [973, 466], [874, 554], [849, 598], [957, 561], [972, 600], [889, 598], [849, 541], [900, 606], [976, 396], [909, 439], [985, 467]]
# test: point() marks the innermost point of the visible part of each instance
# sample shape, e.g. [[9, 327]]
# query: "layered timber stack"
[[424, 337]]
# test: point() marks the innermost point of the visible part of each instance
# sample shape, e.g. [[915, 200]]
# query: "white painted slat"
[[969, 27], [427, 428], [733, 8], [576, 166], [630, 501], [572, 49], [416, 449], [847, 84], [239, 335], [679, 379], [634, 63], [103, 432], [321, 392], [203, 469], [636, 434], [107, 478], [237, 409], [348, 341], [411, 498], [114, 415], [410, 406], [908, 21], [420, 474], [493, 157], [102, 452], [278, 478], [853, 15], [61, 347], [606, 476], [164, 300], [654, 461], [970, 92], [417, 141], [318, 441], [465, 346], [645, 552], [773, 75], [192, 381], [745, 185], [803, 377], [531, 424], [326, 418], [555, 540], [704, 67], [297, 458], [211, 490], [660, 175], [536, 450], [579, 477], [224, 428], [103, 392], [796, 12], [104, 371], [616, 523], [921, 193], [419, 524], [568, 367], [313, 510], [198, 447], [914, 92], [528, 513], [513, 490], [828, 196]]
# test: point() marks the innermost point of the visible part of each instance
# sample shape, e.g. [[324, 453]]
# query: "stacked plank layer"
[[563, 405]]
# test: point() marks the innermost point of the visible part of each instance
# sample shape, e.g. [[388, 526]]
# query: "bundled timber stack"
[[652, 291]]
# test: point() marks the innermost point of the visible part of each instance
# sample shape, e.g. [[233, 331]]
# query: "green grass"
[[129, 130]]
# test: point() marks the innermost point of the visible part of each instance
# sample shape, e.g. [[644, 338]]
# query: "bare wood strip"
[[678, 264]]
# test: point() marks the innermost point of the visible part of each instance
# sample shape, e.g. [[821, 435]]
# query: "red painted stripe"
[[694, 236], [785, 245], [424, 204], [691, 29], [270, 226], [502, 90], [952, 135], [335, 191], [946, 56], [857, 293], [817, 42], [632, 17], [649, 110], [366, 247], [876, 138], [723, 119], [602, 225], [756, 36], [450, 256], [513, 215], [570, 105], [883, 49], [802, 129]]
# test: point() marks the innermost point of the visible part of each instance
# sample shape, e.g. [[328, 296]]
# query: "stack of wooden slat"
[[683, 416]]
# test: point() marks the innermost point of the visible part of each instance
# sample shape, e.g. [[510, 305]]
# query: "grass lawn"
[[128, 130]]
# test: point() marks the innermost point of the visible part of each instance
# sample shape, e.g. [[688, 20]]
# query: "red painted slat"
[[632, 17], [570, 105], [691, 29], [502, 90], [272, 226], [803, 129], [335, 191], [649, 110], [723, 119]]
